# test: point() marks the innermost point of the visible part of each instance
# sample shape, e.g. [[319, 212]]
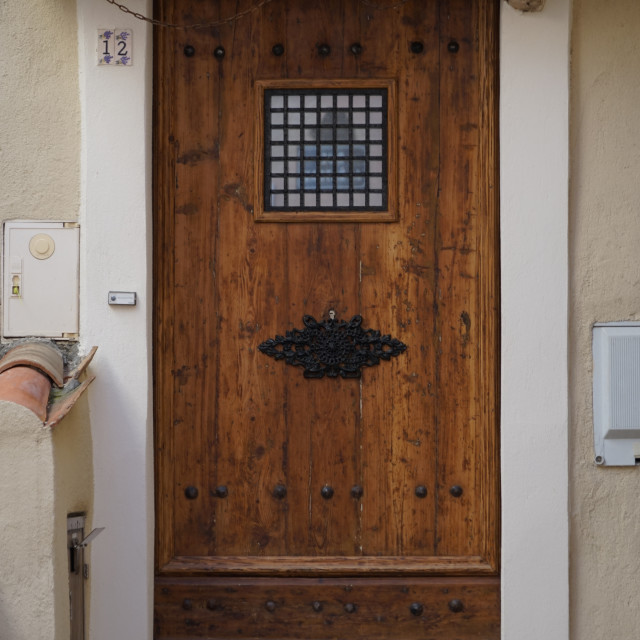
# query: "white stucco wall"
[[605, 286], [534, 60], [116, 255], [44, 475]]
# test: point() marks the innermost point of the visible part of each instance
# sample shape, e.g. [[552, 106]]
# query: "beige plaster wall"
[[39, 110], [605, 286], [27, 591], [44, 475]]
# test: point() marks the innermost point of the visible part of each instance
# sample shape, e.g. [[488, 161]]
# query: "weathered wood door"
[[326, 507]]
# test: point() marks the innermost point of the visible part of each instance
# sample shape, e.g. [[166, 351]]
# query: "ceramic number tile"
[[123, 47], [115, 47], [105, 46]]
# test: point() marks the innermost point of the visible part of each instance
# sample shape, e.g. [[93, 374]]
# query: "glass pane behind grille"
[[325, 150]]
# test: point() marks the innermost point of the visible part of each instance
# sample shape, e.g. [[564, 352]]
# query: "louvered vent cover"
[[616, 393]]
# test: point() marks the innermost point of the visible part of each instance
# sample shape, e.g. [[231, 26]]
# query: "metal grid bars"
[[325, 150]]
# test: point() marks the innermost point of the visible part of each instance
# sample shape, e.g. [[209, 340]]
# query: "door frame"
[[534, 81]]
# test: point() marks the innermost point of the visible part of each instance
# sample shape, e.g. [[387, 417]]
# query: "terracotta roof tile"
[[40, 355]]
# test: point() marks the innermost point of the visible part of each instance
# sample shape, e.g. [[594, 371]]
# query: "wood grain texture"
[[374, 608], [228, 416], [328, 565], [320, 257], [457, 317], [163, 259], [396, 292], [489, 280]]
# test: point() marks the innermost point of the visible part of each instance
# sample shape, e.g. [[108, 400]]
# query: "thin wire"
[[240, 14], [198, 25], [376, 5]]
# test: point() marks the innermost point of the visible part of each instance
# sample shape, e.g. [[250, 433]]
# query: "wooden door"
[[293, 502]]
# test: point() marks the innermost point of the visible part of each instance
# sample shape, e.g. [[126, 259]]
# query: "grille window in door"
[[325, 149], [326, 506]]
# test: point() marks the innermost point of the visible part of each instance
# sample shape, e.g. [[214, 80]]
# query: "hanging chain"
[[240, 14]]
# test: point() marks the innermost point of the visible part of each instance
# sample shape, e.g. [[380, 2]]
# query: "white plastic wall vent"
[[40, 279], [616, 393]]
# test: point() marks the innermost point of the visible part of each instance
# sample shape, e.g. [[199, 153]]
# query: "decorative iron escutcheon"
[[332, 347]]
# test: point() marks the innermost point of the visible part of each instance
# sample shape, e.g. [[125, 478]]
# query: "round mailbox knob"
[[42, 246]]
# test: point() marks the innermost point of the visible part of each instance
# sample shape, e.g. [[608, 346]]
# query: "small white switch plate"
[[40, 283], [115, 47], [122, 297]]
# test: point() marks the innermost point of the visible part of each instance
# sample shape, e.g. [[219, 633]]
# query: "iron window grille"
[[326, 149]]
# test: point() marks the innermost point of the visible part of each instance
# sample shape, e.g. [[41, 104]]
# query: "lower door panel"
[[323, 608]]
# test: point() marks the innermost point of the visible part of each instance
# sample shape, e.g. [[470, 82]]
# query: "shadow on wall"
[[73, 484]]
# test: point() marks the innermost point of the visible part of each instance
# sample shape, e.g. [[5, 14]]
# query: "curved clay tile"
[[27, 387], [39, 355], [27, 372]]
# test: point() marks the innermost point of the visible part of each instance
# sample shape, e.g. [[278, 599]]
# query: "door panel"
[[313, 610], [245, 443]]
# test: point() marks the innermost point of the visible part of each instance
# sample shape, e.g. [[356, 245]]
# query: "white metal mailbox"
[[40, 279], [616, 393]]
